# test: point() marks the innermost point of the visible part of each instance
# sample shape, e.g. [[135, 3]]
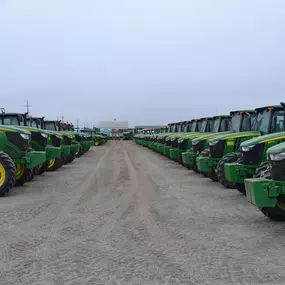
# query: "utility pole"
[[27, 106], [62, 118], [77, 124]]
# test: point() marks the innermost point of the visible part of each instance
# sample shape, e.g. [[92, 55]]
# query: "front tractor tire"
[[23, 174], [7, 174], [228, 158]]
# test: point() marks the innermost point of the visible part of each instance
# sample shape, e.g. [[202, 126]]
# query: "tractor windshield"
[[194, 126], [50, 126], [185, 127], [204, 126], [216, 126], [221, 125], [33, 123], [236, 122], [12, 120], [269, 121]]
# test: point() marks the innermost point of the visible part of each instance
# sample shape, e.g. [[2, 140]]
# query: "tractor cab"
[[34, 122], [206, 125], [239, 154], [269, 120], [12, 119], [186, 126]]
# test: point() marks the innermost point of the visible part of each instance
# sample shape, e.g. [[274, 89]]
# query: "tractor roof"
[[206, 119], [12, 114], [277, 107], [242, 111], [221, 116]]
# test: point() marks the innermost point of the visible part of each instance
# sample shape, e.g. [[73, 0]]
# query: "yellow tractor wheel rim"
[[96, 143], [51, 163], [20, 169], [2, 175]]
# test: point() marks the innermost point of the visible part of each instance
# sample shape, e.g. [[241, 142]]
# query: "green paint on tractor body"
[[269, 192], [224, 144], [254, 150], [16, 142], [237, 172]]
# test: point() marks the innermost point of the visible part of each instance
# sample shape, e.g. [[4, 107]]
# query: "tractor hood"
[[181, 135], [4, 129], [233, 136], [34, 130], [208, 137], [279, 148], [190, 136], [264, 139]]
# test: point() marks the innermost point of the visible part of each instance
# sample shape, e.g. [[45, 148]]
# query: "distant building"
[[113, 125]]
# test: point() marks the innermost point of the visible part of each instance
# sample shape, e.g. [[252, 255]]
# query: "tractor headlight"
[[213, 142], [180, 140], [247, 148], [44, 136], [59, 137], [25, 136], [195, 143], [277, 156]]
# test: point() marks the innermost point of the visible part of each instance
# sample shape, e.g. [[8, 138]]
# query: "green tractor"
[[97, 138], [198, 128], [15, 144], [86, 141], [155, 136], [56, 141], [237, 121], [251, 158], [267, 189], [65, 143], [192, 129], [172, 128], [39, 142], [127, 135], [174, 152]]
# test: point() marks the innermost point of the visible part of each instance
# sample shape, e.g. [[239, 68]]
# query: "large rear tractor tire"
[[43, 168], [277, 213], [70, 158], [228, 158], [56, 163], [179, 159], [7, 174], [23, 174]]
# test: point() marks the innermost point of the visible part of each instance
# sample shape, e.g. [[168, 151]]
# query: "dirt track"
[[122, 214]]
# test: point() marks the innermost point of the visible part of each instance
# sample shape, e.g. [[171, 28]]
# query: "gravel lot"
[[122, 214]]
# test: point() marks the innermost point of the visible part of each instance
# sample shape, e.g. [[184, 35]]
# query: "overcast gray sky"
[[148, 61]]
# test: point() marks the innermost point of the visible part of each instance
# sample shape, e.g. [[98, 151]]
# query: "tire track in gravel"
[[147, 196], [68, 207], [91, 211]]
